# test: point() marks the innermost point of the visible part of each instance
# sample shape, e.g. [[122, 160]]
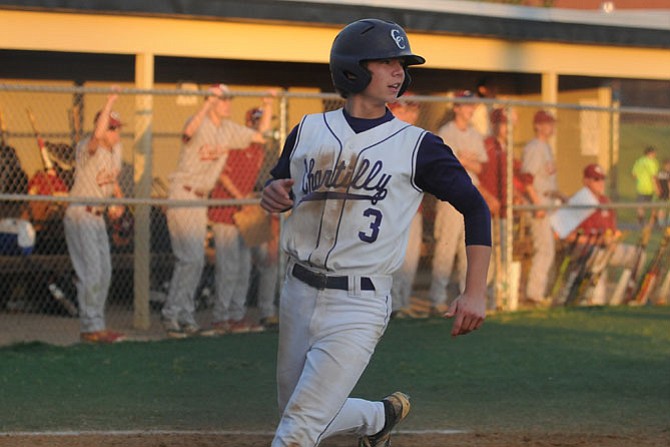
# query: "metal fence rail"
[[38, 298]]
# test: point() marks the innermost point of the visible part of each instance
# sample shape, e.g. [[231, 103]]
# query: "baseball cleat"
[[102, 337], [396, 407]]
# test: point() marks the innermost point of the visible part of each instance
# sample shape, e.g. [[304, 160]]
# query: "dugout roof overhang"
[[453, 35]]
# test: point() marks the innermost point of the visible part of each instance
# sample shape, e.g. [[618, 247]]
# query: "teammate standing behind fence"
[[233, 257], [207, 137], [354, 178], [449, 250], [538, 160], [644, 171], [663, 185], [98, 162], [403, 279], [487, 88]]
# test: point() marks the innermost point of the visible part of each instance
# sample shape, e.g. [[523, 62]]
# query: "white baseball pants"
[[88, 246], [188, 230], [449, 249], [231, 273], [326, 340]]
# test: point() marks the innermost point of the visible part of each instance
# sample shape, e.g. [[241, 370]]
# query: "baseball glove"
[[254, 225]]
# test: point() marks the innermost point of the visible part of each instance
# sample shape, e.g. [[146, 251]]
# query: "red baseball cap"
[[225, 90], [114, 119], [594, 171], [464, 94], [543, 117]]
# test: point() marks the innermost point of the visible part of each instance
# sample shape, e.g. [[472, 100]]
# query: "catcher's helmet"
[[364, 40]]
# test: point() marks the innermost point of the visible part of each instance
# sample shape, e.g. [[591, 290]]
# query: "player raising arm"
[[353, 179]]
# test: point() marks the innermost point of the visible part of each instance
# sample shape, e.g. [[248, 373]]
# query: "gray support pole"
[[144, 76]]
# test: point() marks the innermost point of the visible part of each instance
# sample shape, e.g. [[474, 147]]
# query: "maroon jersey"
[[242, 167]]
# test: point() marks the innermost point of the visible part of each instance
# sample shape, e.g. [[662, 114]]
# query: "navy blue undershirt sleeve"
[[283, 167], [439, 173]]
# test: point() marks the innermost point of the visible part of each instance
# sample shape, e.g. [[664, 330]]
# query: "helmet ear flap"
[[405, 83]]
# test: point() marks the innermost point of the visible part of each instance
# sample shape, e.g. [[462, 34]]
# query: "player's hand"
[[468, 312], [114, 95], [270, 96], [276, 196]]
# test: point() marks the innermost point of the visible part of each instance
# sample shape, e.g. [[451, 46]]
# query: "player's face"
[[388, 76], [597, 186], [546, 129], [223, 106], [464, 111], [113, 135]]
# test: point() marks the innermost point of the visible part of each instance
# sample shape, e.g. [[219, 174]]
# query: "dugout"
[[536, 54], [550, 55]]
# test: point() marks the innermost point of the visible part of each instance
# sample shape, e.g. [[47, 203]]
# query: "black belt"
[[320, 281]]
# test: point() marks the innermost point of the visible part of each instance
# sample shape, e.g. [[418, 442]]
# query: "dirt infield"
[[399, 440]]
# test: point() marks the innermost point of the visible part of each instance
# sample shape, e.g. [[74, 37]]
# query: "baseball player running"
[[354, 179]]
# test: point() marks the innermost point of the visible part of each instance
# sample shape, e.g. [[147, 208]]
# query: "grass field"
[[602, 371]]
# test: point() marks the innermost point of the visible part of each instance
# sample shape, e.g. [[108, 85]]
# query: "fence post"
[[144, 75]]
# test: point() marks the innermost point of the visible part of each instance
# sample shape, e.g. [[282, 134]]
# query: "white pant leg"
[[231, 272], [268, 269], [188, 230], [449, 245], [543, 258], [88, 246], [403, 278], [326, 339]]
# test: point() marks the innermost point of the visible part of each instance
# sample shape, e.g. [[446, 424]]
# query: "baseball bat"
[[600, 265], [649, 278], [576, 265], [645, 235], [569, 254], [663, 290], [60, 297], [584, 268], [46, 160]]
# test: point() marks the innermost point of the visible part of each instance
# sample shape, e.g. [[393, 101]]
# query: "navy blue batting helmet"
[[365, 40]]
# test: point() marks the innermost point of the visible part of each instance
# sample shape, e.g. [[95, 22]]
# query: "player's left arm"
[[469, 309]]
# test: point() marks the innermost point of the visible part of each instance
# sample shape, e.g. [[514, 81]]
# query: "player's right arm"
[[196, 120], [103, 122]]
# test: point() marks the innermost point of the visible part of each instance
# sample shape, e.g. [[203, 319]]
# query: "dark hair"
[[649, 150]]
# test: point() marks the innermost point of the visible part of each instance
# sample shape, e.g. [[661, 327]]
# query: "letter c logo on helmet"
[[368, 40], [399, 38]]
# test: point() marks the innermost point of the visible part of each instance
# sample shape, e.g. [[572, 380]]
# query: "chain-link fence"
[[46, 129]]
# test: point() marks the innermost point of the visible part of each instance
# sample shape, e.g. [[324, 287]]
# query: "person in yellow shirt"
[[645, 170]]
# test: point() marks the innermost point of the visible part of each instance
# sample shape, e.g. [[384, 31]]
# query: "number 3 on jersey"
[[374, 225]]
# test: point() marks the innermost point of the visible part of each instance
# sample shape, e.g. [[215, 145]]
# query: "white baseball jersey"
[[538, 159], [95, 174], [465, 142], [368, 181], [196, 168]]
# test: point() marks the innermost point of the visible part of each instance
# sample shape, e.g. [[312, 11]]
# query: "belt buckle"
[[321, 281]]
